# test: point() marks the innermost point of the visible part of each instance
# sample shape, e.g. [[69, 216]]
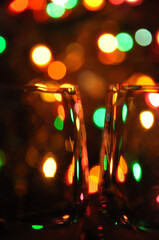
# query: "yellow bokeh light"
[[93, 5], [49, 167], [58, 97], [41, 55], [107, 43], [77, 124], [57, 70], [147, 119], [145, 80]]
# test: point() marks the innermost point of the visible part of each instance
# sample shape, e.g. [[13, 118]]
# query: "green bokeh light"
[[58, 123], [143, 37], [71, 4], [137, 172], [99, 117], [124, 112], [125, 42], [71, 114], [55, 10], [37, 227], [3, 44]]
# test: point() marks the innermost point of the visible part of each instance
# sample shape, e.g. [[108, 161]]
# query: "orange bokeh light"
[[57, 70], [94, 179], [18, 5]]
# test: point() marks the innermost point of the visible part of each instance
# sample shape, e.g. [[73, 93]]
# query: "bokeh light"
[[58, 123], [56, 70], [112, 58], [143, 37], [3, 44], [124, 42], [55, 10], [116, 2], [134, 2], [147, 119], [137, 171], [107, 43], [74, 57], [122, 169], [36, 5], [18, 5], [93, 5], [99, 117], [49, 167], [154, 99], [124, 112], [41, 55], [94, 179], [145, 80], [2, 159], [69, 4], [37, 227]]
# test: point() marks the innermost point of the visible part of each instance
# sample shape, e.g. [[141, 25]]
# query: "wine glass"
[[43, 162], [129, 163]]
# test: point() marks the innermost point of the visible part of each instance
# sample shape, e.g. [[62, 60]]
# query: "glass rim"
[[45, 87], [117, 87]]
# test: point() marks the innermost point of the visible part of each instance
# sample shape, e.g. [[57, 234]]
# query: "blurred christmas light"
[[107, 43], [61, 112], [94, 179], [71, 4], [134, 2], [57, 70], [99, 117], [152, 100], [49, 167], [93, 5], [40, 15], [41, 55], [55, 10], [145, 80], [18, 5], [58, 123], [37, 227], [147, 119], [113, 58], [3, 44], [143, 37], [125, 42], [36, 5], [157, 37], [137, 172], [116, 2]]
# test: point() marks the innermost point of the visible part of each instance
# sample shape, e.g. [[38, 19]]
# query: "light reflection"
[[122, 169], [49, 167], [147, 119], [137, 171], [99, 117], [61, 112], [116, 2], [94, 179]]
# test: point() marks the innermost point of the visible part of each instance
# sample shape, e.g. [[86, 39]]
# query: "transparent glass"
[[129, 161], [43, 162]]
